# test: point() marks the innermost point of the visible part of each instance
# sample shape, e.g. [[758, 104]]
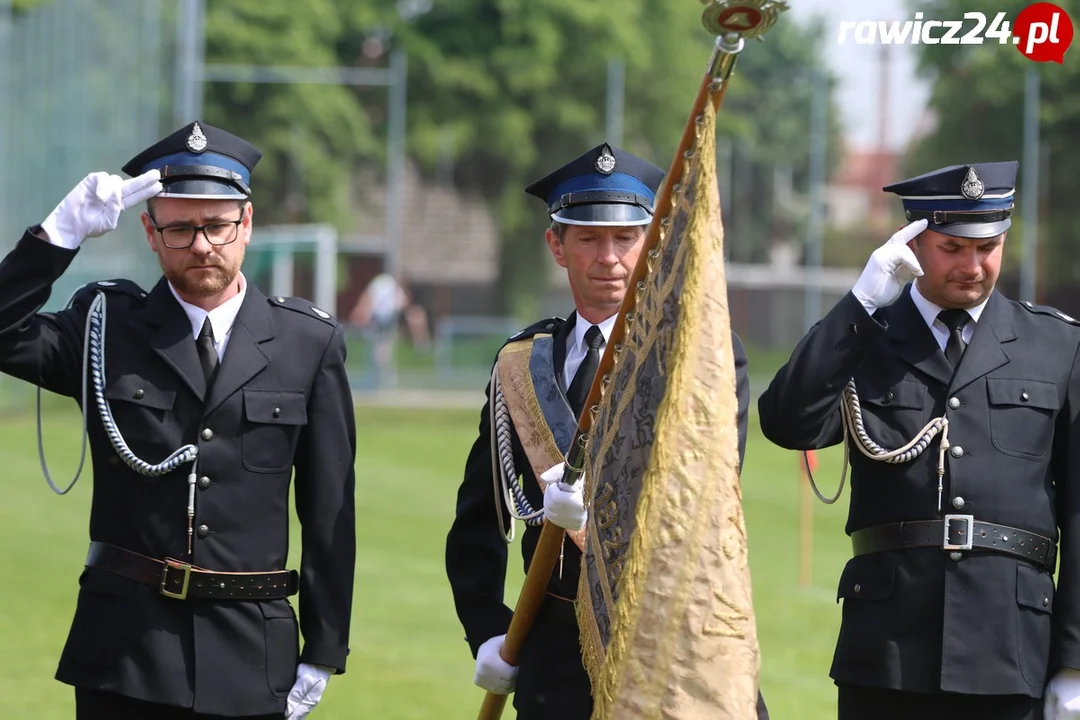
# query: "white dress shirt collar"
[[929, 312], [581, 326], [221, 318], [576, 349]]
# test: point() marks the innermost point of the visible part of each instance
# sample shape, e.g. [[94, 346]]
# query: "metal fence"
[[80, 90]]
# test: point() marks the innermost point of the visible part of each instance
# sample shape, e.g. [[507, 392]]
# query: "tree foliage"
[[311, 135], [520, 87], [500, 92], [24, 5]]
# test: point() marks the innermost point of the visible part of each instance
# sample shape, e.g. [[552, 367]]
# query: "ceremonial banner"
[[664, 604]]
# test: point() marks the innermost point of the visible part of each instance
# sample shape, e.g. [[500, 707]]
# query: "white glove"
[[1062, 698], [564, 505], [492, 672], [307, 690], [93, 207], [890, 268]]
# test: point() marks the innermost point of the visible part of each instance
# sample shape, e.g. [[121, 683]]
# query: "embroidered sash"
[[543, 420]]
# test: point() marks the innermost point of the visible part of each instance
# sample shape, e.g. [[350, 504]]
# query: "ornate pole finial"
[[747, 19]]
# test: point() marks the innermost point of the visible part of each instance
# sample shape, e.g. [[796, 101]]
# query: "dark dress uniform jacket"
[[476, 551], [916, 619], [279, 402]]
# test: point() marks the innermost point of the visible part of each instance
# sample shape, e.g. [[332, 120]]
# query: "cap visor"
[[201, 189], [977, 231], [608, 215]]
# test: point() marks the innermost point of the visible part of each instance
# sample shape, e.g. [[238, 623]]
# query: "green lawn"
[[408, 659]]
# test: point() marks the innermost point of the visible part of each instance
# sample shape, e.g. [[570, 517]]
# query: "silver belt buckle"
[[949, 519]]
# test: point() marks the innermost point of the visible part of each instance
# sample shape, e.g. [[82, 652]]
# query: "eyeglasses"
[[178, 237]]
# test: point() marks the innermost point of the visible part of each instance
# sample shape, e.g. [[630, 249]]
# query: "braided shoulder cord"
[[855, 429], [185, 454], [508, 490], [94, 356]]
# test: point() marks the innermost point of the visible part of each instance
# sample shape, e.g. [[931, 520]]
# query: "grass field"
[[408, 659]]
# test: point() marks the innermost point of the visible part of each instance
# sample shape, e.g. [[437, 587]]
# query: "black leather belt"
[[180, 580], [956, 533]]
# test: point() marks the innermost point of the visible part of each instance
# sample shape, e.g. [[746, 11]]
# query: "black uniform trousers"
[[552, 683], [857, 702], [94, 705]]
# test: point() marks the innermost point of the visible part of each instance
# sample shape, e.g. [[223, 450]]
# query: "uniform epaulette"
[[537, 327], [304, 307], [1047, 310], [118, 285]]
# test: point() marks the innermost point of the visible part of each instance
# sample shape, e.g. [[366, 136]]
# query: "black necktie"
[[583, 378], [207, 354], [955, 320]]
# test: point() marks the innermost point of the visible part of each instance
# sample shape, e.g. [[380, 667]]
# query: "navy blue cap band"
[[616, 182], [1005, 203]]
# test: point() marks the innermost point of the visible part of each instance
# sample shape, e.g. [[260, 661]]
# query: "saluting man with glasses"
[[183, 608]]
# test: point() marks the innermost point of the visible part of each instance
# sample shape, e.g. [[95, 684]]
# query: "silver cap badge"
[[606, 162], [972, 187], [196, 141]]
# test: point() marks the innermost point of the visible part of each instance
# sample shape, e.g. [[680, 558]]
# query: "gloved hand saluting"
[[93, 207], [564, 505], [890, 267], [1061, 701]]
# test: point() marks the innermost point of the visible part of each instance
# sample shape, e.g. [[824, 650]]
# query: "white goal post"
[[283, 243]]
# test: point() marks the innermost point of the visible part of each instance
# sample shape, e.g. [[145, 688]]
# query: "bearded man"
[[203, 400]]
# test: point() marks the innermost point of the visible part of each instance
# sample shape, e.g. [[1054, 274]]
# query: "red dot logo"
[[1043, 32]]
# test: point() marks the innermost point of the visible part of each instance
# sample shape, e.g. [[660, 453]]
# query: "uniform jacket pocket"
[[1021, 415], [867, 577], [282, 645], [866, 586], [107, 611], [1034, 605], [894, 413], [274, 419], [139, 407]]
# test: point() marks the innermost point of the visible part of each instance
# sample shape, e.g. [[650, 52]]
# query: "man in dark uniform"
[[949, 601], [182, 609], [600, 205]]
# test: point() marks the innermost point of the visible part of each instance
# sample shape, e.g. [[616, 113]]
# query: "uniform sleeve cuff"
[[860, 321]]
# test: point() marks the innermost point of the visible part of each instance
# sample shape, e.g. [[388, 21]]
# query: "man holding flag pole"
[[599, 204], [664, 620]]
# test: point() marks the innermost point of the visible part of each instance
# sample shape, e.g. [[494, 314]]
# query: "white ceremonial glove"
[[492, 672], [307, 690], [1062, 698], [889, 268], [564, 505], [93, 207]]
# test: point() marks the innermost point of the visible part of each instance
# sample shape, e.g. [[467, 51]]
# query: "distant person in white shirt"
[[377, 311]]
